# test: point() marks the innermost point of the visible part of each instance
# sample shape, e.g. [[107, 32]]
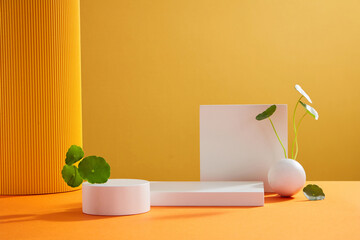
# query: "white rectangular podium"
[[203, 193]]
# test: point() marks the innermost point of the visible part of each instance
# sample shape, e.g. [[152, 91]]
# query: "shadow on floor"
[[188, 215], [73, 212], [276, 198], [206, 211], [68, 215], [39, 194]]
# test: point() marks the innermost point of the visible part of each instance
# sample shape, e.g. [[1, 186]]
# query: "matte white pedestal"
[[116, 197], [212, 193]]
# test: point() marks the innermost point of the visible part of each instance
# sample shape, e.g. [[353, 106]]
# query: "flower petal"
[[310, 110], [302, 92]]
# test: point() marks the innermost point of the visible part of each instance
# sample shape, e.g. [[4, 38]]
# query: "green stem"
[[295, 140], [297, 147], [278, 137]]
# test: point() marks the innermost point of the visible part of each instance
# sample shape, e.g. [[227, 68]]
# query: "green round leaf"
[[313, 192], [267, 113], [74, 154], [71, 176], [94, 169]]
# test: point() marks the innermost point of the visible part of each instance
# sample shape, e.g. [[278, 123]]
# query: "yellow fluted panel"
[[40, 93]]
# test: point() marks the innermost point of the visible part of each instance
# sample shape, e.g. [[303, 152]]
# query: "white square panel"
[[234, 146]]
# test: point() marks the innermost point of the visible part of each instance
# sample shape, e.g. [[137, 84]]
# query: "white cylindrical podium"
[[116, 197]]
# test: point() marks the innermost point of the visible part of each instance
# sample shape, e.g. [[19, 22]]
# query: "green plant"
[[92, 168], [313, 192], [308, 111], [266, 115]]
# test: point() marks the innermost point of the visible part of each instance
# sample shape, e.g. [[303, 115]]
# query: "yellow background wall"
[[148, 65]]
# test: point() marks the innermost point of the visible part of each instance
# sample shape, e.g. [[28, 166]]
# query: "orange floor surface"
[[59, 216]]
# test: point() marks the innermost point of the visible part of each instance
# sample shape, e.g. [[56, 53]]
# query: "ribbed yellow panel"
[[40, 93]]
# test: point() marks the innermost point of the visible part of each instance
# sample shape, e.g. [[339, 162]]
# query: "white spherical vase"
[[286, 177]]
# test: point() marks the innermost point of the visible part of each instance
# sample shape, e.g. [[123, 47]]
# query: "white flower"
[[310, 110], [302, 92]]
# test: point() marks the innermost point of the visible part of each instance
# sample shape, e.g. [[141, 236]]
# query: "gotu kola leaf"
[[74, 154], [267, 113], [313, 192], [71, 176], [310, 110], [94, 169]]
